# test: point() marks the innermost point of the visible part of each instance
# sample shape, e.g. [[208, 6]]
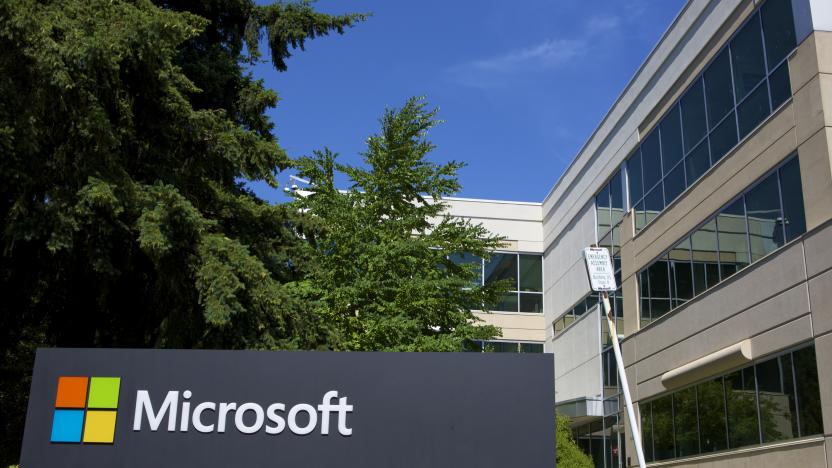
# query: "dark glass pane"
[[780, 85], [723, 138], [597, 442], [671, 133], [651, 160], [778, 415], [634, 177], [531, 273], [472, 263], [472, 346], [778, 28], [500, 347], [674, 183], [653, 204], [659, 286], [641, 216], [808, 391], [501, 267], [693, 115], [531, 347], [579, 309], [747, 58], [791, 190], [602, 211], [687, 434], [508, 303], [712, 416], [616, 199], [646, 432], [663, 428], [718, 88], [733, 239], [704, 255], [753, 110], [591, 301], [743, 426], [765, 227], [697, 163], [680, 272], [531, 302]]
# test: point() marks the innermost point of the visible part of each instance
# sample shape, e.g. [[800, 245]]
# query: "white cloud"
[[599, 24]]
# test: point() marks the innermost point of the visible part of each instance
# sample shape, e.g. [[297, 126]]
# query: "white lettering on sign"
[[599, 268]]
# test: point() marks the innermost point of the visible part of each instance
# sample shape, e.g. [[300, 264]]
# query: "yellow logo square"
[[100, 427]]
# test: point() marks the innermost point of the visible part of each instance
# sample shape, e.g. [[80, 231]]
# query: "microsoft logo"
[[85, 410]]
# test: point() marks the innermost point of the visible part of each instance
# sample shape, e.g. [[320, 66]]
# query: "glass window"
[[765, 227], [531, 302], [531, 273], [733, 238], [741, 398], [718, 88], [659, 289], [470, 261], [704, 255], [500, 347], [674, 183], [791, 190], [651, 160], [634, 177], [681, 273], [711, 399], [753, 110], [687, 433], [663, 443], [508, 303], [647, 431], [671, 135], [693, 115], [531, 347], [697, 163], [616, 199], [723, 138], [641, 216], [780, 85], [778, 405], [778, 27], [501, 266], [653, 203], [602, 210], [808, 392], [747, 58]]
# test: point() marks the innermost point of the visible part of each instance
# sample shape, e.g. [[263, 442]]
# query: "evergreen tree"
[[384, 247], [126, 132]]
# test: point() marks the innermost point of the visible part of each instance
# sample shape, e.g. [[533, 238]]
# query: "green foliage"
[[385, 279], [126, 129], [569, 455]]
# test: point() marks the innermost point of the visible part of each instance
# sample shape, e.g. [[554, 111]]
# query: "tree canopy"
[[385, 247], [127, 131]]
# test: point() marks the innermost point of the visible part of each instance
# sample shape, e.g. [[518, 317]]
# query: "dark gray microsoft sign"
[[181, 408]]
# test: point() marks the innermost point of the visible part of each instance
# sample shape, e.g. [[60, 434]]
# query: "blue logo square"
[[67, 426]]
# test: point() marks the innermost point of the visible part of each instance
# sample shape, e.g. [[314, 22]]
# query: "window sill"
[[810, 440]]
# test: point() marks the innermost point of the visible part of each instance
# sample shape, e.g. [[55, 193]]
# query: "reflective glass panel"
[[653, 203], [718, 88], [663, 428], [602, 211], [792, 192], [778, 28], [781, 87], [687, 434], [712, 416], [697, 163], [671, 135], [501, 266], [704, 255], [531, 302], [733, 239], [531, 347], [778, 410], [723, 138], [674, 183], [646, 431], [500, 347], [681, 273], [634, 175], [472, 262], [747, 58], [693, 115], [753, 110], [743, 425], [765, 226], [531, 273], [651, 160], [808, 391], [508, 303], [616, 199]]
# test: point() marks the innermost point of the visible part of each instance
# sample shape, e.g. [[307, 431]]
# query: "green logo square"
[[104, 392]]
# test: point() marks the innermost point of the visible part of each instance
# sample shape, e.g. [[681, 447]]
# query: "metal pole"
[[625, 387]]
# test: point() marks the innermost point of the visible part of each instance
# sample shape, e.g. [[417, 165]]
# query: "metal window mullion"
[[725, 412], [734, 92], [796, 399], [757, 403], [698, 425], [782, 206], [707, 120], [673, 423], [747, 229], [765, 61], [517, 282]]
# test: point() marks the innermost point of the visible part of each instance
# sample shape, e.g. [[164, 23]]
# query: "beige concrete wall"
[[516, 327]]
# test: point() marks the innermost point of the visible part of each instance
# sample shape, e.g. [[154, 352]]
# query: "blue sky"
[[520, 84]]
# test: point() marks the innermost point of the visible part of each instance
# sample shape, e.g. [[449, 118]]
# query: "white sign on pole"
[[599, 267]]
